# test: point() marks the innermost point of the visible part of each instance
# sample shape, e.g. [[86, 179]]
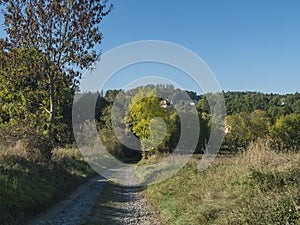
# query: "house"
[[193, 102], [164, 103]]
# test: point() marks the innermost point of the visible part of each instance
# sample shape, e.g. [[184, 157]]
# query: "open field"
[[256, 187]]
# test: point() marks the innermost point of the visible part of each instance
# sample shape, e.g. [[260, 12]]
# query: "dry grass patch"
[[258, 186], [29, 185]]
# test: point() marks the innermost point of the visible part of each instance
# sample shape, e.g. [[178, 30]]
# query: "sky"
[[249, 45]]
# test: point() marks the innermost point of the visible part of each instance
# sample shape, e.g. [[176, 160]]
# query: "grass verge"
[[257, 187], [28, 188]]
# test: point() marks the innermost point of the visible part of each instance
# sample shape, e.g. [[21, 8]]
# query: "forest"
[[249, 116]]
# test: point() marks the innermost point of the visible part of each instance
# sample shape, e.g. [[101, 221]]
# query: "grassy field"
[[256, 187], [28, 187]]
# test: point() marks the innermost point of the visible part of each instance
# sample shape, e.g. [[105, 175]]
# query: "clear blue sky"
[[250, 45]]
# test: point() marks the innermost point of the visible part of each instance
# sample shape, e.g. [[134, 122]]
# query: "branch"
[[40, 104]]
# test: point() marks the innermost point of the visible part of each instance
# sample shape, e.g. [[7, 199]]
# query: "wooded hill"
[[250, 115]]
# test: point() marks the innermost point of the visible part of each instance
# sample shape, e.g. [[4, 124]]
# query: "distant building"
[[164, 103], [193, 102]]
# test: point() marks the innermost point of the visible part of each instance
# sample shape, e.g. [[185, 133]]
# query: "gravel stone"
[[76, 208], [133, 208]]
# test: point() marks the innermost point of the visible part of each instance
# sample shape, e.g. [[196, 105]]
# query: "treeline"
[[135, 114], [275, 105], [250, 115], [273, 117]]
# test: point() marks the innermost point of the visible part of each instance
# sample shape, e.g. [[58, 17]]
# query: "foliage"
[[146, 126], [253, 115], [260, 123], [24, 100], [250, 115], [239, 135], [48, 44], [110, 140], [138, 111], [110, 95], [286, 132], [244, 128], [64, 32], [275, 105]]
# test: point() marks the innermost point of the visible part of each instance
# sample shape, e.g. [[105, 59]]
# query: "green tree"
[[203, 105], [64, 32], [110, 95], [24, 99], [60, 37], [154, 125], [238, 135], [108, 138], [259, 124], [286, 131]]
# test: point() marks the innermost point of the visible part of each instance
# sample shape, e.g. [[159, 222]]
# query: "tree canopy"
[[48, 45]]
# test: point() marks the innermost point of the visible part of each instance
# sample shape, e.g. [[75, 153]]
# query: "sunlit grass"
[[28, 187], [256, 187]]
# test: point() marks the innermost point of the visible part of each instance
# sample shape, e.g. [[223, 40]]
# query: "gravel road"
[[75, 208], [127, 204], [130, 200]]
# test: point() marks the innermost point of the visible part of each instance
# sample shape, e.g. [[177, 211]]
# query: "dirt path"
[[123, 204], [103, 202], [75, 208]]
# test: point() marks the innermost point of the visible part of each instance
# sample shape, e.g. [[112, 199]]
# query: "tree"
[[63, 32], [205, 122], [23, 95], [156, 127], [259, 124], [286, 131], [239, 134], [110, 95], [47, 47], [203, 105], [109, 138]]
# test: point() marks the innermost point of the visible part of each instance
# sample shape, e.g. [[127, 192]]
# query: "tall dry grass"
[[258, 186]]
